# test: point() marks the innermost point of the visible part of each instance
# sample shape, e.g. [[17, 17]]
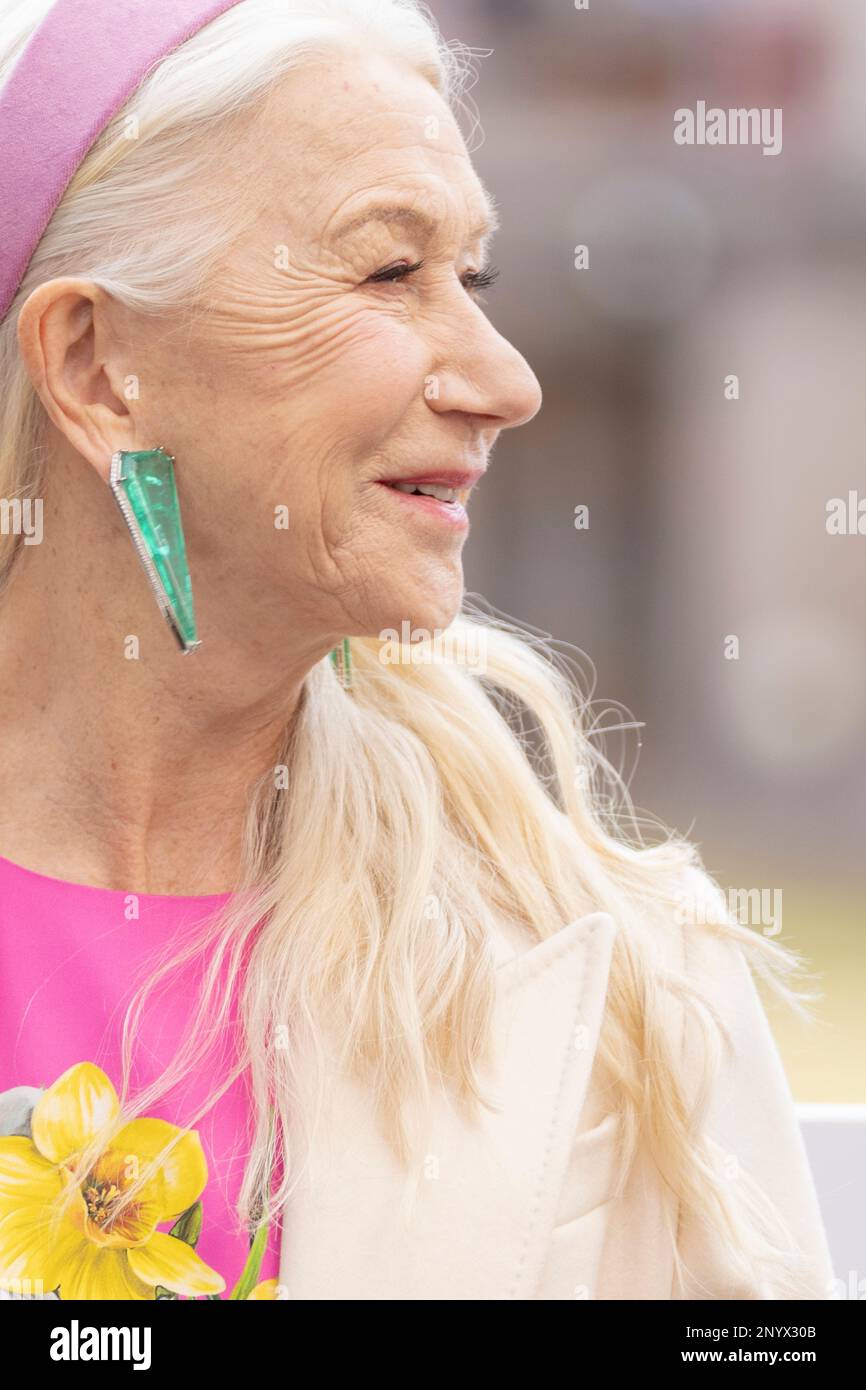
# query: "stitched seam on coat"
[[554, 1122], [525, 967]]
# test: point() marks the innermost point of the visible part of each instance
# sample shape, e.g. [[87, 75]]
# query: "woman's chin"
[[411, 618]]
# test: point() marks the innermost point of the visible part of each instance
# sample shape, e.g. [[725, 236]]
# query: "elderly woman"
[[304, 938]]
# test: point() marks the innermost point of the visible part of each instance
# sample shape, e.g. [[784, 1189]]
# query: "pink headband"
[[81, 64]]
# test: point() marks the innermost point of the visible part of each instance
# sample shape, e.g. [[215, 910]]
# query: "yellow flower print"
[[266, 1289], [90, 1252]]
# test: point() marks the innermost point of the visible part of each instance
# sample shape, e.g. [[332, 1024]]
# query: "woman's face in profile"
[[325, 364]]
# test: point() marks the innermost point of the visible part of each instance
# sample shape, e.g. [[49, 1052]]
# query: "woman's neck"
[[126, 764]]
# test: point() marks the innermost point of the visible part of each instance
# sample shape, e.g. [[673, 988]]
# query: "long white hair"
[[426, 804]]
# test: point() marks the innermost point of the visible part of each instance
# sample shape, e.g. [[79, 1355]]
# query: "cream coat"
[[518, 1206]]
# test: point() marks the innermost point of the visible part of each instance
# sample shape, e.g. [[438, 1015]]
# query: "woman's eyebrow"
[[415, 217]]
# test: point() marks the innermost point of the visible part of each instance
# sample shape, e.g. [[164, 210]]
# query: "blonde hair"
[[426, 805]]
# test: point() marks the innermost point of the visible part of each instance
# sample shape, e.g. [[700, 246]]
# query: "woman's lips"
[[450, 513]]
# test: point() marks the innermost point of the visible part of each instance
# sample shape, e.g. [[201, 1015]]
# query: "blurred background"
[[708, 511]]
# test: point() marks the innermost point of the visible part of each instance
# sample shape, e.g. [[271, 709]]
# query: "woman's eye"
[[472, 280], [480, 279], [394, 272]]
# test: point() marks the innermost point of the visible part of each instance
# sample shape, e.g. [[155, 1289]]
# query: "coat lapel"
[[480, 1221]]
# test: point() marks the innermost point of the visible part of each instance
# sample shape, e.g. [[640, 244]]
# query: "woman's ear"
[[67, 344]]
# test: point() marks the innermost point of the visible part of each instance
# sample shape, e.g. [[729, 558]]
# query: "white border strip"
[[814, 1112]]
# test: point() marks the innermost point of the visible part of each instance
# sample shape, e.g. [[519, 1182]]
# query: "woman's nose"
[[487, 376]]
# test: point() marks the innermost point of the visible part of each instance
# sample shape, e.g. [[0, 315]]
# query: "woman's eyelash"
[[472, 280], [395, 272], [480, 279]]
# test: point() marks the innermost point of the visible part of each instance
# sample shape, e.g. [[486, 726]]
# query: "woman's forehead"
[[365, 109], [377, 146]]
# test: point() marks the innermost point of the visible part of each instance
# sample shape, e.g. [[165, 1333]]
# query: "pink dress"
[[71, 957]]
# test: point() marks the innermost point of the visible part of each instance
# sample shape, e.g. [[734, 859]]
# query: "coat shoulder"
[[734, 1074]]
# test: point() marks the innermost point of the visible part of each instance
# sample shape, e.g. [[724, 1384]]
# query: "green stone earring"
[[342, 659], [144, 488]]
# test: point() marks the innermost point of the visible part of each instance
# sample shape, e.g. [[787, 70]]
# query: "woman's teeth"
[[442, 494]]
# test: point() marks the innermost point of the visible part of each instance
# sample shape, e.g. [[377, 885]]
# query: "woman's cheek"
[[388, 365]]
